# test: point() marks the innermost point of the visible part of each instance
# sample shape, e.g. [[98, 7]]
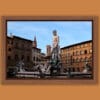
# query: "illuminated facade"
[[77, 55]]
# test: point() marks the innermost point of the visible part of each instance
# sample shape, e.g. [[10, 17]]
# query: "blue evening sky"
[[70, 32]]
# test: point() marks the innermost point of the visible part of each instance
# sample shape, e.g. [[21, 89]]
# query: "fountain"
[[51, 68]]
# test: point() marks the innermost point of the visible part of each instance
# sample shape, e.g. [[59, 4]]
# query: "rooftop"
[[36, 48], [77, 44], [19, 38]]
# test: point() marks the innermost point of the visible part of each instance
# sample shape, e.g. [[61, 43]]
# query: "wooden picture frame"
[[94, 20]]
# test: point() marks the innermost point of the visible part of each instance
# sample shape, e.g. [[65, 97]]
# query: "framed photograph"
[[50, 49]]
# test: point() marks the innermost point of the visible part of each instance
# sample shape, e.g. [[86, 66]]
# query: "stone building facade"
[[77, 55], [36, 55], [18, 49]]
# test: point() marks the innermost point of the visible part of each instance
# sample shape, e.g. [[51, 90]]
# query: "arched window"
[[16, 57], [34, 58], [22, 57], [9, 57], [77, 60], [28, 58], [73, 69], [85, 51], [9, 49], [77, 53]]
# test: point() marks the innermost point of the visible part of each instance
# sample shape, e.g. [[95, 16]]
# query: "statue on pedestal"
[[55, 54]]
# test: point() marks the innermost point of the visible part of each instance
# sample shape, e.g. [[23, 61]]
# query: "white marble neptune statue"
[[55, 47]]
